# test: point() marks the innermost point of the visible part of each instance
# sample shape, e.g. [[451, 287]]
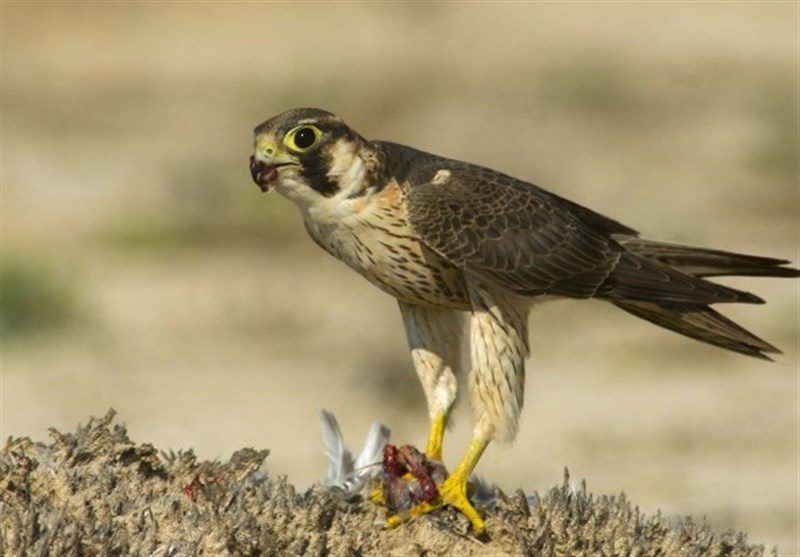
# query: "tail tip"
[[750, 298]]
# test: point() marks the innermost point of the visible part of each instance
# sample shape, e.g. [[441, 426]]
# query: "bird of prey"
[[450, 239]]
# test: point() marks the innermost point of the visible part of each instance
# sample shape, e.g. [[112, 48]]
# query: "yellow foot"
[[434, 449], [452, 492], [376, 496]]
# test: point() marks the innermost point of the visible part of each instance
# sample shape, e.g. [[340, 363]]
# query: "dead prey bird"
[[456, 242], [409, 478]]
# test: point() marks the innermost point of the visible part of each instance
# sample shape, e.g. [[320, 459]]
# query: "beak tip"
[[262, 173]]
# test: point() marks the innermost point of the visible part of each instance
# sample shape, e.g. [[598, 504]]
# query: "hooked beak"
[[263, 173], [265, 162]]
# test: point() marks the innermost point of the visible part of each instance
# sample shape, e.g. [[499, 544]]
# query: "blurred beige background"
[[143, 270]]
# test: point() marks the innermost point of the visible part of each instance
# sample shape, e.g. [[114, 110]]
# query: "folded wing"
[[533, 242]]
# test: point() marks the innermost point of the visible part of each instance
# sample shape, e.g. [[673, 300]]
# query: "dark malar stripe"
[[315, 170]]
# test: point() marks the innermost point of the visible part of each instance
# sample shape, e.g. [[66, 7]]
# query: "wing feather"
[[533, 242]]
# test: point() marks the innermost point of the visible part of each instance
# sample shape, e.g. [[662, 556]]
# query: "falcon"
[[468, 251]]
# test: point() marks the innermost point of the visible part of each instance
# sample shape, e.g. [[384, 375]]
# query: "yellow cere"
[[265, 146]]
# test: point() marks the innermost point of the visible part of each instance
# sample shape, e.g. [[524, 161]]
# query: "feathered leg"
[[498, 346], [434, 336]]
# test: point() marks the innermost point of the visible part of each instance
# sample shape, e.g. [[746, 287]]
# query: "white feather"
[[372, 452], [340, 461], [343, 472]]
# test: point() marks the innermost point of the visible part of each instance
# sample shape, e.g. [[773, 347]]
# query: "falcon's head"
[[309, 155]]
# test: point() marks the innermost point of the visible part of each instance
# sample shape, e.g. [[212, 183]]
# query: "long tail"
[[699, 321], [702, 262]]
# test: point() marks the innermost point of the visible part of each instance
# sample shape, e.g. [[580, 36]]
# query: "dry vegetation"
[[95, 491], [142, 270]]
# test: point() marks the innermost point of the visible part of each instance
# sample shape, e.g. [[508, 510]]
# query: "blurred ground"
[[143, 270]]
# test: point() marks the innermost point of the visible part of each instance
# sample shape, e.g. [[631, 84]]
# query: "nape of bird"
[[468, 251]]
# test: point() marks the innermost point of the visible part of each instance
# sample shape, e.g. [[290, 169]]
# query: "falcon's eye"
[[302, 138]]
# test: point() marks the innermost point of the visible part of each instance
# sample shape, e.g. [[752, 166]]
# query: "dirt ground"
[[142, 269]]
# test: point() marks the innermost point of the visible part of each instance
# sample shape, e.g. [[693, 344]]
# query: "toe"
[[394, 521], [455, 495], [377, 497]]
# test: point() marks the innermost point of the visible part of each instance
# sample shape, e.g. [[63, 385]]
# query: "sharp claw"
[[452, 494]]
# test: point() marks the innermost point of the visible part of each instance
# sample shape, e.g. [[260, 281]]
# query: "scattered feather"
[[345, 473]]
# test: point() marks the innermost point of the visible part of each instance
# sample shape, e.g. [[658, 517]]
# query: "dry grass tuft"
[[97, 492]]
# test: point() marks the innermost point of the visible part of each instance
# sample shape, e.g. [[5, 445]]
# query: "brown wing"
[[532, 242]]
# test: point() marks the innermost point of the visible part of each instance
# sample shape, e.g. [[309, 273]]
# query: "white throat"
[[348, 170]]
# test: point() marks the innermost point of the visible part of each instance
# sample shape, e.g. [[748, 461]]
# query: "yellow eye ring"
[[302, 138]]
